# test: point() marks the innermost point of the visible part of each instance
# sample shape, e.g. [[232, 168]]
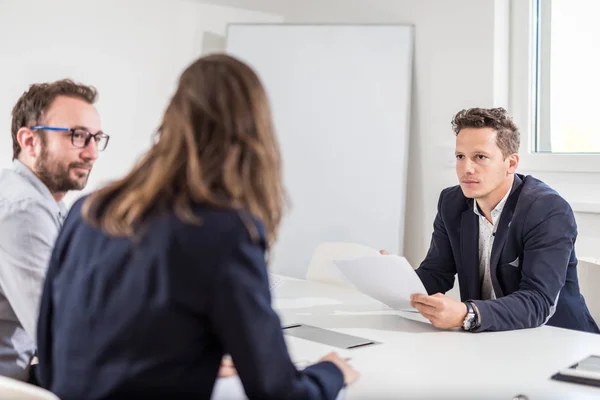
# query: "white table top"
[[415, 360]]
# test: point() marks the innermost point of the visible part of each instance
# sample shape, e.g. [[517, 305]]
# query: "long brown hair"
[[216, 146]]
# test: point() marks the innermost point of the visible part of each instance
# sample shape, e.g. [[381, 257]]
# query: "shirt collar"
[[497, 210], [33, 179]]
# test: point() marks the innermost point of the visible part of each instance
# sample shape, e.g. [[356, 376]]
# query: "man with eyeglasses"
[[56, 134]]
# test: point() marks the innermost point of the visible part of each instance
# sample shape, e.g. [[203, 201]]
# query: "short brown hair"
[[216, 146], [33, 103], [507, 133]]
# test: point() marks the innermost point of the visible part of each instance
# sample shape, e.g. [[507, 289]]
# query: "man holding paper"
[[509, 237]]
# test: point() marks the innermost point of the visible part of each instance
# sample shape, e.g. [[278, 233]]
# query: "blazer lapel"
[[469, 245], [502, 232]]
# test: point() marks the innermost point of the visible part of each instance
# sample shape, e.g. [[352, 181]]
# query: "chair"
[[322, 267], [588, 271], [16, 390]]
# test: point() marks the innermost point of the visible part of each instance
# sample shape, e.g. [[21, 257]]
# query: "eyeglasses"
[[79, 137]]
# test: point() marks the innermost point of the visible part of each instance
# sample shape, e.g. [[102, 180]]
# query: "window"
[[567, 33], [555, 83]]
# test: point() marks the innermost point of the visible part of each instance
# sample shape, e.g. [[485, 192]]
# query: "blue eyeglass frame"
[[72, 130]]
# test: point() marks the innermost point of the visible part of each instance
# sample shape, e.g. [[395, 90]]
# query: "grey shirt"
[[30, 219]]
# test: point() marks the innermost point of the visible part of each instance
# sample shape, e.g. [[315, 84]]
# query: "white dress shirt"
[[487, 233]]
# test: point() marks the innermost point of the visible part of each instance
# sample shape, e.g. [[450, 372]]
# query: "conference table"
[[412, 359]]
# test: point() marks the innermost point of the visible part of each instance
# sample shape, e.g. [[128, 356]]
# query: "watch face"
[[468, 322]]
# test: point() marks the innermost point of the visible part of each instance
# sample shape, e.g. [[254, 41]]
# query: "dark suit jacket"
[[153, 319], [533, 264]]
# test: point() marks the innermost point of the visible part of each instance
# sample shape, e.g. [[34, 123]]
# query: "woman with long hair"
[[156, 276]]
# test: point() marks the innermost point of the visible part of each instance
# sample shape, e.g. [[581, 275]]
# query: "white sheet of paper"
[[389, 279]]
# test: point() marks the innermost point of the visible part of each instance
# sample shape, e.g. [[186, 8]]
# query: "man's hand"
[[227, 368], [443, 311]]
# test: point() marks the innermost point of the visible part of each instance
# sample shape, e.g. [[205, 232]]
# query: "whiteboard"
[[340, 96]]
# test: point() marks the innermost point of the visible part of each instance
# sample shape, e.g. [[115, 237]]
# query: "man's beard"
[[57, 179]]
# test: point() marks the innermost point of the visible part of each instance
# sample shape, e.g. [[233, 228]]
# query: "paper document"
[[389, 279]]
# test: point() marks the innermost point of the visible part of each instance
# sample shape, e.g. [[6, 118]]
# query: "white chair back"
[[588, 272], [322, 265], [16, 390]]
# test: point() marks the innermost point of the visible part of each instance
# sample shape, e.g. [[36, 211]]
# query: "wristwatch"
[[471, 320]]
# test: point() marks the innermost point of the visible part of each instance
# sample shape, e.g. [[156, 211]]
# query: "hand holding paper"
[[441, 310], [389, 279]]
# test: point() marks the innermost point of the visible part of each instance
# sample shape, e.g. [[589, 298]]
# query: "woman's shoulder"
[[231, 223]]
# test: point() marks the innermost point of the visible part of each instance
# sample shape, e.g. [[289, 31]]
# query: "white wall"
[[133, 51], [454, 68]]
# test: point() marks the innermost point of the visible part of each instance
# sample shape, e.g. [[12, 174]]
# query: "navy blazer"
[[533, 264], [152, 317]]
